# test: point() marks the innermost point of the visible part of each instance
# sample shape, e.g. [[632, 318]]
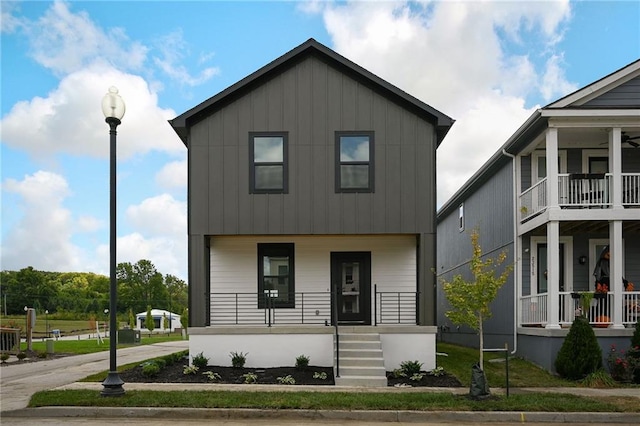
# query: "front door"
[[542, 268], [351, 287]]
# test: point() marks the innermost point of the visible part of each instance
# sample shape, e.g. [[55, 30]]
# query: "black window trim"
[[276, 249], [285, 163], [370, 163]]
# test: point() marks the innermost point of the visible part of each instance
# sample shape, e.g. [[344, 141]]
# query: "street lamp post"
[[46, 320], [113, 108]]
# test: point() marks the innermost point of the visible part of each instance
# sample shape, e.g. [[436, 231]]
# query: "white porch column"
[[615, 265], [552, 167], [615, 168], [553, 271]]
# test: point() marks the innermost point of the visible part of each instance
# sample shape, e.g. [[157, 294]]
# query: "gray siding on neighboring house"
[[625, 95], [489, 210], [311, 101]]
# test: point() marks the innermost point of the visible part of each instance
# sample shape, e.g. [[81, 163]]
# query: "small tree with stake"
[[471, 300], [149, 320]]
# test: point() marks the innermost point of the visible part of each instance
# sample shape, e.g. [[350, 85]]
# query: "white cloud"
[[89, 224], [159, 216], [452, 55], [168, 255], [173, 175], [42, 237], [66, 42], [69, 120], [172, 50], [160, 236]]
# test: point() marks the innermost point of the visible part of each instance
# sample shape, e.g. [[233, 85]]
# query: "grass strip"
[[88, 346], [545, 402], [460, 359]]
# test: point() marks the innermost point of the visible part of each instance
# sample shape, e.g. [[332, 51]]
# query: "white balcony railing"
[[600, 310], [533, 200], [584, 190], [580, 190], [631, 189]]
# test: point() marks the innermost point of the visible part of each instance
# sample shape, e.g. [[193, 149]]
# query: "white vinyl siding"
[[234, 261]]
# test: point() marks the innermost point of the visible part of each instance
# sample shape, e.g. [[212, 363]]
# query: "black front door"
[[351, 287]]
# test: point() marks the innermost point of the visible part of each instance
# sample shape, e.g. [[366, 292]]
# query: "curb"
[[329, 415]]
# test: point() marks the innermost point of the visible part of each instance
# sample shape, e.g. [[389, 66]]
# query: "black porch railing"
[[304, 308], [395, 307]]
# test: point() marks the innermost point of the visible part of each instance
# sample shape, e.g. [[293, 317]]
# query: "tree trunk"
[[481, 342]]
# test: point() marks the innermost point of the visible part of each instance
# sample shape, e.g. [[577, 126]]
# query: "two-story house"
[[561, 189], [311, 218]]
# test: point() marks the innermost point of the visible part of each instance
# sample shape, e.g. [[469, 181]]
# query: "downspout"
[[516, 262]]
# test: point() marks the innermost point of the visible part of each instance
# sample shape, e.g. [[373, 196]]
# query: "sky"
[[487, 64]]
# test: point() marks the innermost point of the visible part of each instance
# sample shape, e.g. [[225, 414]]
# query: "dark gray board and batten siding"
[[311, 101]]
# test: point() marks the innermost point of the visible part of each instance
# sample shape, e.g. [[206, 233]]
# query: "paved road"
[[19, 382]]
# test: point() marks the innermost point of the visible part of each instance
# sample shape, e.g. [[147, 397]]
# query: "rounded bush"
[[580, 354], [150, 369]]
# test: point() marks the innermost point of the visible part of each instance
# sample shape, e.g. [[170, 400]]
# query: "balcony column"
[[553, 272], [615, 161], [552, 167], [615, 265]]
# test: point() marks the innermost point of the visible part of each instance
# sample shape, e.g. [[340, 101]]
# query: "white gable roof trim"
[[597, 88]]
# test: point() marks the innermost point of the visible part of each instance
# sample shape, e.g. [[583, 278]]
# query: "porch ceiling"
[[589, 227]]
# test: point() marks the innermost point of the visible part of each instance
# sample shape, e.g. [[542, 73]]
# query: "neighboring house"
[[564, 186], [158, 320], [311, 210]]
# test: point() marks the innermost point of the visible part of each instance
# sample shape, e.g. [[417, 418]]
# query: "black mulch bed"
[[229, 375]]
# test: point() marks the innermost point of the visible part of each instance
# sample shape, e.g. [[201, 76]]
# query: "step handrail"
[[336, 333]]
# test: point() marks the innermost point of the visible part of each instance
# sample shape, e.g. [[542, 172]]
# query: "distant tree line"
[[84, 294]]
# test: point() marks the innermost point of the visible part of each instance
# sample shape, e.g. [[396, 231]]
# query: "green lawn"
[[86, 346], [521, 373], [458, 362], [336, 401]]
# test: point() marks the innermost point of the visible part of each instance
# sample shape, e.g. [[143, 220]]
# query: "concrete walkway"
[[19, 382]]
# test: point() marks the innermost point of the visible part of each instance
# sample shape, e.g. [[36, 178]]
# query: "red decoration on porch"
[[602, 288], [602, 321]]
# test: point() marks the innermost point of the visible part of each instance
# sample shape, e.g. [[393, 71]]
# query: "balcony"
[[580, 190], [600, 310]]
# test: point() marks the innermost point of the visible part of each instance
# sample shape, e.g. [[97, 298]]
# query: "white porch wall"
[[398, 348], [393, 261], [264, 350]]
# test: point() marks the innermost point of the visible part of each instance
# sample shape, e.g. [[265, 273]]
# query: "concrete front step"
[[359, 344], [361, 381], [361, 360], [353, 370]]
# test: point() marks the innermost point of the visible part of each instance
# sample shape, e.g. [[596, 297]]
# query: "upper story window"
[[268, 163], [354, 162], [461, 217]]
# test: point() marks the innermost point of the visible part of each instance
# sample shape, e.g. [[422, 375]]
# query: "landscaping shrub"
[[150, 369], [580, 354], [200, 360], [633, 354], [410, 368], [238, 359], [302, 362], [635, 338], [21, 355], [4, 357]]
